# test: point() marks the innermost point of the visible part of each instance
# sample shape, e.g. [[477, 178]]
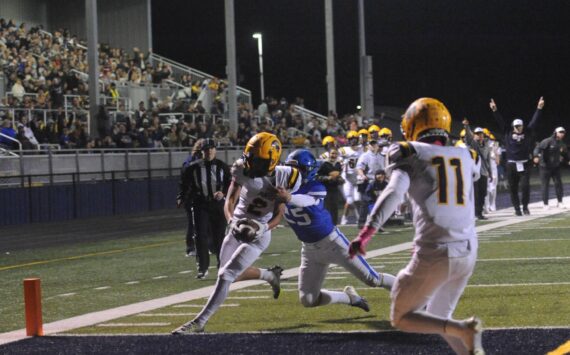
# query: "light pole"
[[260, 51]]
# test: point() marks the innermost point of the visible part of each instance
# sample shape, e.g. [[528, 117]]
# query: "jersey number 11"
[[439, 162]]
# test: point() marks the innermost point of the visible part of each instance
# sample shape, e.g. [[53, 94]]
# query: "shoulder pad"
[[400, 151], [474, 155], [237, 168], [293, 178]]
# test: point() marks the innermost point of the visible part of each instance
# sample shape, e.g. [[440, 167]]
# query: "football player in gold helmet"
[[374, 131], [251, 200], [439, 181], [328, 143]]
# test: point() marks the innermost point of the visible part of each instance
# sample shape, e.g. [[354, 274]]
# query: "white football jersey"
[[350, 157], [441, 189], [255, 200]]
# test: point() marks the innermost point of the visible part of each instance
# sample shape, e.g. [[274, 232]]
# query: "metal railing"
[[12, 111], [12, 140], [308, 114], [98, 162]]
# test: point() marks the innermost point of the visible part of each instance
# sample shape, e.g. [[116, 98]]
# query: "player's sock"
[[214, 302], [386, 281], [266, 275], [328, 297]]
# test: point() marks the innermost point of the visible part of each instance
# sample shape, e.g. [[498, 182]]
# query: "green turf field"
[[521, 279]]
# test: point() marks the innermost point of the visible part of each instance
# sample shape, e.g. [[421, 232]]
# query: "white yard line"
[[102, 288], [525, 259], [522, 284], [246, 297], [164, 314], [133, 324], [98, 317], [522, 240]]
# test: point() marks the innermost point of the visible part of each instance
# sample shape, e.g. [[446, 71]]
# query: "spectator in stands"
[[9, 131], [18, 90]]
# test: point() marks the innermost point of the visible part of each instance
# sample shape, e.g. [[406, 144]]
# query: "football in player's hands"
[[245, 230]]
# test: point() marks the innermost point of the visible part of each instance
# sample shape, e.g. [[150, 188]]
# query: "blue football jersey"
[[311, 223]]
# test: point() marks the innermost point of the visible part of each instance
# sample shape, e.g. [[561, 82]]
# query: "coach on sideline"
[[206, 181], [518, 145], [549, 154]]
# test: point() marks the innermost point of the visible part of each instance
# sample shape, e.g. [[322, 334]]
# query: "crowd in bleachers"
[[41, 69]]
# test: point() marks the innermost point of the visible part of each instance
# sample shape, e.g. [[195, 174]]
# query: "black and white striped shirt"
[[201, 179]]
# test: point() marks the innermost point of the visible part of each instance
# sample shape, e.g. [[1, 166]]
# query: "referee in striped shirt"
[[204, 183]]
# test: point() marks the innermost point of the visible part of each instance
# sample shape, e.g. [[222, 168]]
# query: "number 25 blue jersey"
[[314, 222]]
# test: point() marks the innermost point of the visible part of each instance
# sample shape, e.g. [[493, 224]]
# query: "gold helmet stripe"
[[293, 178]]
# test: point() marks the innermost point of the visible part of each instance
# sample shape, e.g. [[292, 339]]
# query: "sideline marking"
[[102, 288], [109, 252], [94, 318]]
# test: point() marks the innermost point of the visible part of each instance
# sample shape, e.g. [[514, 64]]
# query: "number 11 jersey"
[[441, 189]]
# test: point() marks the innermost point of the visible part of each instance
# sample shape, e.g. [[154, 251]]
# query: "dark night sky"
[[462, 52]]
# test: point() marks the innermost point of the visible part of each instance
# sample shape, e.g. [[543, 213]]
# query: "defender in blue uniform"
[[323, 242]]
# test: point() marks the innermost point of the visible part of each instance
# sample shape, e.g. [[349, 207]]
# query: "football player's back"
[[441, 190]]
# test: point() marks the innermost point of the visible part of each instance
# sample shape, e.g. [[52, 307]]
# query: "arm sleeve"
[[500, 121], [183, 185], [468, 135], [534, 119], [303, 200], [539, 148], [389, 200], [362, 163]]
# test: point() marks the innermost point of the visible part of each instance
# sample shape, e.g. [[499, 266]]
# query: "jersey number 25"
[[296, 216]]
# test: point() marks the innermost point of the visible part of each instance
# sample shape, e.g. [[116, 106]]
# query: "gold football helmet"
[[261, 154], [352, 137], [385, 132], [426, 117], [486, 132], [373, 128], [462, 133], [328, 140]]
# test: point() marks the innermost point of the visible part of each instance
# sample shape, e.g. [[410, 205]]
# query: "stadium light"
[[258, 37]]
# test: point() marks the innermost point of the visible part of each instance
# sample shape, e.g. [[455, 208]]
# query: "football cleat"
[[475, 325], [202, 274], [355, 299], [276, 282], [518, 212], [188, 328]]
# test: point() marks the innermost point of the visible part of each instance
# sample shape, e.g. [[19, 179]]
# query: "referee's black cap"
[[208, 143]]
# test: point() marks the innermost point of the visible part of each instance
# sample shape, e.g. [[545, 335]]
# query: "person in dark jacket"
[[518, 146], [476, 141], [329, 175], [185, 201], [549, 154], [206, 181]]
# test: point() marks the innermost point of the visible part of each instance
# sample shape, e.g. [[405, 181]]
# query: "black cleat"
[[518, 212], [526, 211], [276, 283]]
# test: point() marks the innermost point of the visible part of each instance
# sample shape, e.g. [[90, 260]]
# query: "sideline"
[[93, 318]]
